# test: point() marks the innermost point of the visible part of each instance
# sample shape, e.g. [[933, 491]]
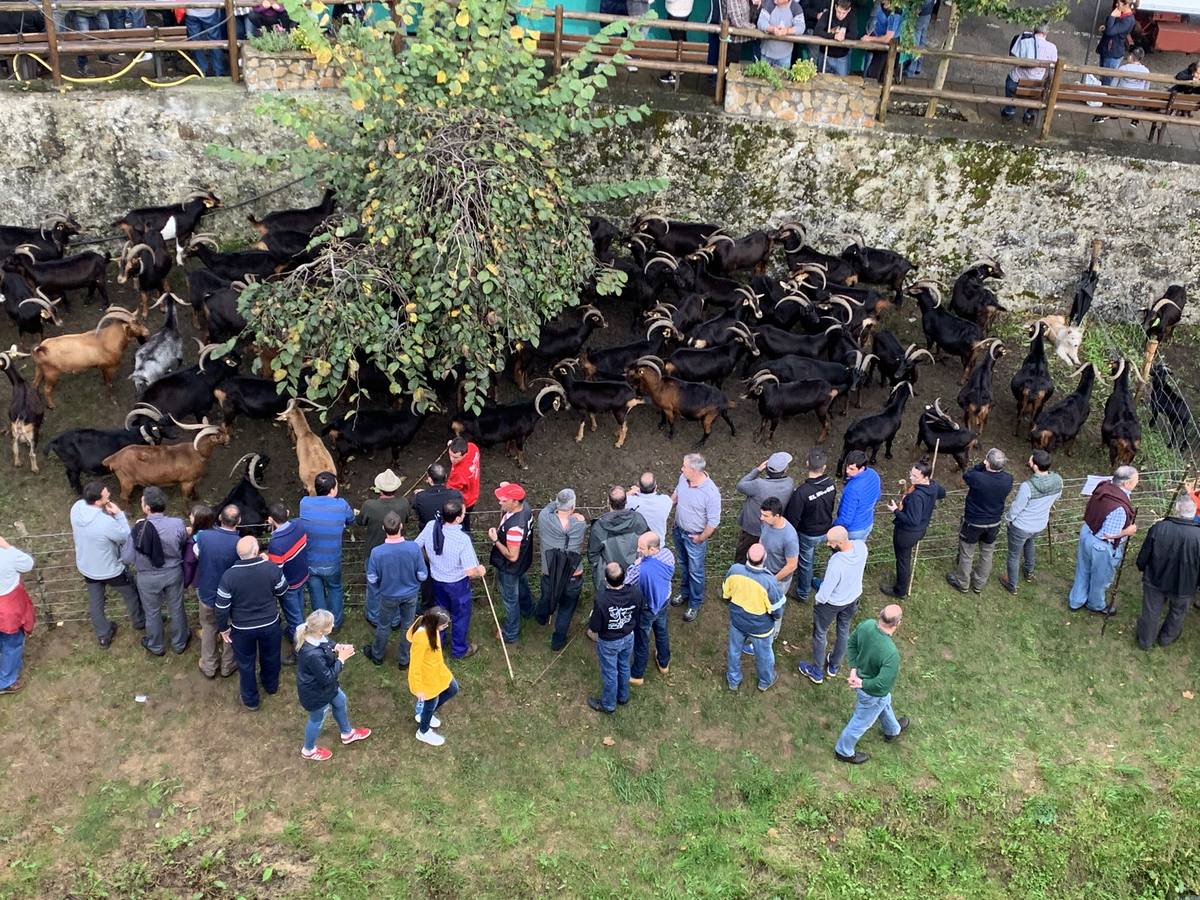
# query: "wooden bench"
[[1123, 103], [664, 55], [37, 43]]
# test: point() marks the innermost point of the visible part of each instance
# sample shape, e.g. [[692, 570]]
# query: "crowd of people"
[[253, 588]]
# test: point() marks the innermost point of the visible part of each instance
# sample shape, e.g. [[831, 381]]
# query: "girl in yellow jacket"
[[428, 677]]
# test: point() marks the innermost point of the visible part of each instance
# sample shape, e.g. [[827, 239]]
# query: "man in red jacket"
[[465, 471]]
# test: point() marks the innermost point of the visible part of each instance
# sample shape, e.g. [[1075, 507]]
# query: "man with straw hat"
[[370, 518]]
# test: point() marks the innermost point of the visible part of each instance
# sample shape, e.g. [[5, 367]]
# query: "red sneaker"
[[358, 734], [319, 754]]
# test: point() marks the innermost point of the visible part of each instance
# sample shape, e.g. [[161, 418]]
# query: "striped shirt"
[[458, 554], [324, 519], [288, 549]]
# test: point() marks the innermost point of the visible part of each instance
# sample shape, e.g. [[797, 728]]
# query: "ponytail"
[[319, 622], [432, 621]]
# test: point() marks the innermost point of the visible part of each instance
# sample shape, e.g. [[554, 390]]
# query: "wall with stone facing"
[[825, 101], [292, 71]]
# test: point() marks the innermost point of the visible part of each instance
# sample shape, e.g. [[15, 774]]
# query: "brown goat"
[[100, 349], [679, 399], [312, 455], [167, 464]]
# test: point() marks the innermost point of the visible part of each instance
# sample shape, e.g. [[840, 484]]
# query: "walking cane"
[[417, 481], [496, 619], [912, 572], [1111, 608]]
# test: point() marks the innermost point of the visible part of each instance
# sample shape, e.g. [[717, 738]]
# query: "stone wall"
[[292, 71], [827, 101]]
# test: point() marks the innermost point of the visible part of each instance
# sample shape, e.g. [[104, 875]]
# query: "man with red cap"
[[512, 553], [465, 471]]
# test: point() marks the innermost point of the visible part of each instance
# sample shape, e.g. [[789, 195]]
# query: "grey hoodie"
[[1030, 510], [99, 538], [758, 486]]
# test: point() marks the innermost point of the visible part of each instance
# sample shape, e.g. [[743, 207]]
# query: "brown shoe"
[[637, 680], [664, 670], [1007, 585], [12, 688], [471, 651]]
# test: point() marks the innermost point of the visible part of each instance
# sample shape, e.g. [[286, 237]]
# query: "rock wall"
[[292, 71], [827, 101], [941, 201]]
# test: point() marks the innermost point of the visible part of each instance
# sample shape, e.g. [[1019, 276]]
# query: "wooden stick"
[[496, 619], [559, 655], [417, 480]]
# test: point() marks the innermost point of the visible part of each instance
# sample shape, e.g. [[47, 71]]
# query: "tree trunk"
[[939, 80]]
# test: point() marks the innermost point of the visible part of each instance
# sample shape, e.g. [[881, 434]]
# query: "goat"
[[679, 399], [776, 400], [57, 276], [1160, 318], [163, 465], [236, 266], [972, 299], [312, 456], [936, 431], [715, 364], [945, 332], [162, 353], [83, 450], [1059, 425], [602, 233], [644, 286], [369, 430], [223, 321], [847, 379], [1168, 403], [288, 248], [510, 424], [177, 221], [612, 361], [25, 410], [876, 265], [720, 329], [792, 235], [1032, 385], [591, 397], [676, 238], [102, 348], [774, 342], [250, 396], [188, 393], [691, 276], [976, 397], [148, 262], [869, 432], [307, 219], [725, 255], [1120, 431], [246, 495], [896, 364], [28, 308], [686, 314], [201, 282], [564, 336], [1067, 339], [46, 242]]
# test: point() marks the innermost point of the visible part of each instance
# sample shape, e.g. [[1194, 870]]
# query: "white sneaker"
[[431, 737], [434, 721]]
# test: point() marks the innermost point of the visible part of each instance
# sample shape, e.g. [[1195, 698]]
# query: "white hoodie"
[[678, 8], [98, 541]]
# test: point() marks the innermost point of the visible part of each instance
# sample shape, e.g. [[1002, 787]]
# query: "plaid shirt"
[[458, 554]]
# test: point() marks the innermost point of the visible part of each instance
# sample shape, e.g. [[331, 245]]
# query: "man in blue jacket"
[[395, 571], [856, 512], [651, 572], [911, 517]]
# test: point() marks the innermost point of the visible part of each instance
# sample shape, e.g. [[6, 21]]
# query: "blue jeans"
[[12, 654], [261, 646], [292, 606], [1020, 544], [127, 18], [325, 591], [245, 28], [867, 710], [211, 62], [784, 63], [614, 670], [426, 708], [518, 602], [861, 534], [1010, 90], [835, 65], [914, 65], [690, 561], [371, 609], [394, 612], [316, 718], [804, 565], [1095, 566], [824, 615], [1110, 62], [764, 657], [76, 21], [641, 643]]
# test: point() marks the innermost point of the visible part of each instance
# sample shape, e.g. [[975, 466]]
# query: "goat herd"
[[800, 340]]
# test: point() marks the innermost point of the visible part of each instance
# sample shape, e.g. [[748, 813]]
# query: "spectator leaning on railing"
[[1028, 45], [779, 21], [842, 26], [885, 28]]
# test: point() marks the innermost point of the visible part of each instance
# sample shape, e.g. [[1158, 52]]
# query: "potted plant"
[[279, 59]]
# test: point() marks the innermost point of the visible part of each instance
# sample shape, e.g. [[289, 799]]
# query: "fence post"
[[1052, 99], [939, 82], [52, 42], [558, 26], [235, 74], [722, 61], [1147, 365], [886, 93]]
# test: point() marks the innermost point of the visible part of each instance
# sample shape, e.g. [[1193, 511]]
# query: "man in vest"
[[1107, 523], [512, 553]]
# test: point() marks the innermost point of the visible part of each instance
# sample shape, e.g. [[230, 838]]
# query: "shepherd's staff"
[[912, 572], [417, 480], [1111, 608], [496, 619]]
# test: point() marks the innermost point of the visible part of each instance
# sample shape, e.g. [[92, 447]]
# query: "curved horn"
[[1165, 301], [1081, 369], [250, 469], [242, 459], [26, 250], [860, 240], [53, 219], [844, 303], [206, 431], [46, 305], [198, 239], [919, 353], [205, 352], [1121, 364], [137, 248], [203, 424], [656, 324], [984, 261], [120, 313], [548, 389], [143, 409]]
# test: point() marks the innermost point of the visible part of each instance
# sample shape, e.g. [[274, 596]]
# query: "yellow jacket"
[[427, 670]]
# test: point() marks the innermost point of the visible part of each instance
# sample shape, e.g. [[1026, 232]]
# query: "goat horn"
[[137, 248], [842, 302], [922, 352], [548, 389], [1164, 301], [251, 469], [203, 424], [53, 219], [206, 431], [244, 457], [859, 239], [27, 251], [144, 409], [198, 239], [984, 261]]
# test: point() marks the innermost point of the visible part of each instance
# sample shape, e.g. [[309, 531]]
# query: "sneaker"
[[594, 703], [903, 722], [856, 760], [358, 734], [631, 68], [1096, 120], [434, 721], [831, 671], [12, 688], [955, 583], [430, 737], [1007, 585], [668, 78], [318, 754], [633, 680], [690, 615], [732, 687], [748, 649], [663, 670], [769, 686], [677, 600], [1030, 577], [811, 672], [1133, 123]]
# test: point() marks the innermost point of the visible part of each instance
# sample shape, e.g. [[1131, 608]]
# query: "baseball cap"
[[510, 490], [778, 461]]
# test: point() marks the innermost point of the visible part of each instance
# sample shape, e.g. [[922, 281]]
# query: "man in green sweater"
[[874, 665]]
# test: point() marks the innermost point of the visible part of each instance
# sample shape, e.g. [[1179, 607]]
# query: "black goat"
[[1059, 425], [177, 221], [686, 314], [222, 319], [876, 265], [603, 233], [250, 396], [46, 242], [83, 450], [288, 248], [148, 262], [1032, 385], [691, 277], [588, 398], [1160, 318], [847, 379], [676, 238], [564, 336], [945, 332], [57, 276], [869, 432], [510, 424], [937, 432], [712, 365], [369, 430], [645, 284], [1167, 403], [894, 363], [247, 496], [725, 255], [792, 235], [611, 362], [187, 393], [721, 329], [28, 307], [976, 397], [777, 400], [26, 411], [1120, 431], [236, 266], [307, 219], [775, 342], [972, 299]]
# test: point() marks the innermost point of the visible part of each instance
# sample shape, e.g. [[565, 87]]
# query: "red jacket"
[[16, 611], [465, 474]]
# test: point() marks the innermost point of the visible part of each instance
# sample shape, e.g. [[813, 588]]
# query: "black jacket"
[[986, 493], [918, 507], [615, 612], [317, 669], [1170, 557], [427, 503], [810, 508]]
